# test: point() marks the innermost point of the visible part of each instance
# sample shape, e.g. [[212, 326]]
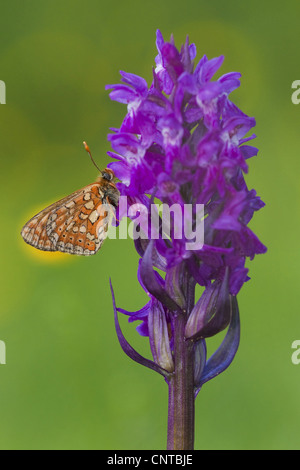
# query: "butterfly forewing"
[[77, 224]]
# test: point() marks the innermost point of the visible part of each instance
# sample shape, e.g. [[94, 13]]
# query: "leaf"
[[128, 349], [199, 359]]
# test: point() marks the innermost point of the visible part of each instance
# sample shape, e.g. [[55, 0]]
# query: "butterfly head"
[[108, 174]]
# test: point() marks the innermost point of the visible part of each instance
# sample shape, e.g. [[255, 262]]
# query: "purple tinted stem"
[[181, 410]]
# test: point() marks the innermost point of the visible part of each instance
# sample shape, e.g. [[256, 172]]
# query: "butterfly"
[[78, 223]]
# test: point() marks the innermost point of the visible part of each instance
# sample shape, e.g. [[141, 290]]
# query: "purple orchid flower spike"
[[184, 144]]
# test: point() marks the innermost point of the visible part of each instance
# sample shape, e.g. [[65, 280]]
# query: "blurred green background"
[[67, 383]]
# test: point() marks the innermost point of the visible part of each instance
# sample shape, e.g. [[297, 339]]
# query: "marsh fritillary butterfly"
[[77, 224]]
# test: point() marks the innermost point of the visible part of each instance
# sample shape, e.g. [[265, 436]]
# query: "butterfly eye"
[[108, 174]]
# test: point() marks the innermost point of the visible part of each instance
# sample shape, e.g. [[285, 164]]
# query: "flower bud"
[[174, 281], [159, 337], [212, 312]]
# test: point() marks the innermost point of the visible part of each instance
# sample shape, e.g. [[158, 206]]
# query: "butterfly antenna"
[[87, 148]]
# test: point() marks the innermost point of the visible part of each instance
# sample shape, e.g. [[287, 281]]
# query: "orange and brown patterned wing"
[[76, 224]]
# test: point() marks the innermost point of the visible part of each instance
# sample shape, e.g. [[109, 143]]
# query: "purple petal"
[[159, 40], [248, 151], [246, 139], [135, 81], [208, 92], [126, 144], [209, 68], [172, 61], [121, 170], [122, 94], [139, 315], [199, 66], [249, 244], [193, 51], [237, 279], [230, 81]]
